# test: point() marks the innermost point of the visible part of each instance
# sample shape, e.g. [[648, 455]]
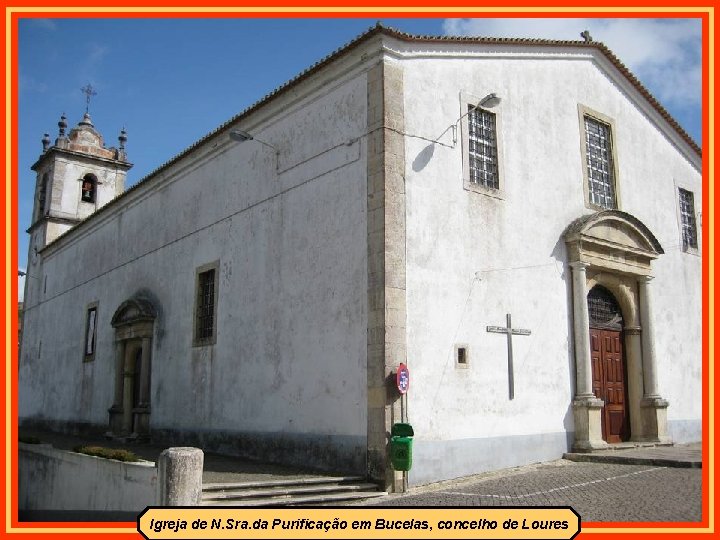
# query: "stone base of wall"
[[685, 431], [333, 453], [434, 461], [63, 426]]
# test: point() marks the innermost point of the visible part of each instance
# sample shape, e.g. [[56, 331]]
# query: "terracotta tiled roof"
[[380, 29]]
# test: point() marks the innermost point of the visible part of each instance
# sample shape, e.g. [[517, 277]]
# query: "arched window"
[[603, 309], [89, 188]]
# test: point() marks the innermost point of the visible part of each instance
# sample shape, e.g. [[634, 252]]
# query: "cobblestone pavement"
[[597, 491]]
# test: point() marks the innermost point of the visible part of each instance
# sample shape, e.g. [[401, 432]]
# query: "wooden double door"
[[609, 376]]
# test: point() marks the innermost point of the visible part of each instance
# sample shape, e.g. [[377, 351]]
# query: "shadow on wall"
[[559, 253], [423, 158]]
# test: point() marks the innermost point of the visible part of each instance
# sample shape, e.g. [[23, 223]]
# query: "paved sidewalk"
[[599, 492]]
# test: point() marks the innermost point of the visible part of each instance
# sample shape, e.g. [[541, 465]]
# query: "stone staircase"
[[310, 491]]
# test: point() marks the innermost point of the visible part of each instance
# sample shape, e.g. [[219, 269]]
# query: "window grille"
[[687, 218], [206, 305], [482, 147], [603, 309], [600, 172]]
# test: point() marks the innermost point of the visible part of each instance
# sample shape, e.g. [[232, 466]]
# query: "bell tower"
[[75, 177]]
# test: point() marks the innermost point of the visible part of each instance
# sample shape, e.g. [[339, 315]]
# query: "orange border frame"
[[324, 8]]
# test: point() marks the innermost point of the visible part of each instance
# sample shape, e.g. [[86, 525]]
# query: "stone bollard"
[[180, 477]]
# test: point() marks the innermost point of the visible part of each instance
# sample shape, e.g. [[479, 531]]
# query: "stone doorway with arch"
[[130, 412], [610, 252]]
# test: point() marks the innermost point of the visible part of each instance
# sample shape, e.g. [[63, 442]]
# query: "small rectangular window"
[[90, 333], [482, 148], [687, 220], [599, 163], [205, 305], [461, 356]]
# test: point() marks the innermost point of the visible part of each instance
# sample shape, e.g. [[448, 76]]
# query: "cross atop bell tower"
[[89, 92]]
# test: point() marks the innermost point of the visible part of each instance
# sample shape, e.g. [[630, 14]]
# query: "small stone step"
[[617, 457], [295, 501], [279, 491], [291, 482]]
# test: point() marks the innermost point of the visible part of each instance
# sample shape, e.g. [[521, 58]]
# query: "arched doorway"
[[130, 412], [609, 369], [615, 250]]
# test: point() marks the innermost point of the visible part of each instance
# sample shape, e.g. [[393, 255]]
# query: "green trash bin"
[[401, 446]]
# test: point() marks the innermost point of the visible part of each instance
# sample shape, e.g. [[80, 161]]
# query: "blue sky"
[[169, 82]]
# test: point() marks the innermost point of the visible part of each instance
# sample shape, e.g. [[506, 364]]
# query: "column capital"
[[645, 279], [579, 265]]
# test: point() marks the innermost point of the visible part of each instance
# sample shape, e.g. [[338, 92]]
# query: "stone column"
[[581, 327], [654, 407], [586, 407], [116, 410], [180, 477], [128, 371], [119, 364], [648, 339], [633, 355], [142, 411], [145, 373]]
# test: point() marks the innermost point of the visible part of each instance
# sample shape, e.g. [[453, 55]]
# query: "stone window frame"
[[209, 340], [90, 309], [583, 112], [466, 348], [468, 100], [693, 250]]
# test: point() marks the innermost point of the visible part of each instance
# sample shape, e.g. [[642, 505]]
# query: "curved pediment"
[[132, 311], [613, 240]]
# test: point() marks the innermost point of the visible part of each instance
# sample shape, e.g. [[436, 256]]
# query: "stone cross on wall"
[[509, 331]]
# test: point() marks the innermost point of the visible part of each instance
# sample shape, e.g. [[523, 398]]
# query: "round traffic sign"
[[403, 378]]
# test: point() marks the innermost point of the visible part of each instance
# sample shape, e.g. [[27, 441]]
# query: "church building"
[[514, 222]]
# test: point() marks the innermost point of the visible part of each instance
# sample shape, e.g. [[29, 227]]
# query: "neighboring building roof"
[[380, 29]]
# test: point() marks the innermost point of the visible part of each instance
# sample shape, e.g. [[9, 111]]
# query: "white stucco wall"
[[51, 479], [290, 241], [473, 258]]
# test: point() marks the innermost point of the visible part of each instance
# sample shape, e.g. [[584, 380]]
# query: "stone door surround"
[[133, 322], [615, 249]]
